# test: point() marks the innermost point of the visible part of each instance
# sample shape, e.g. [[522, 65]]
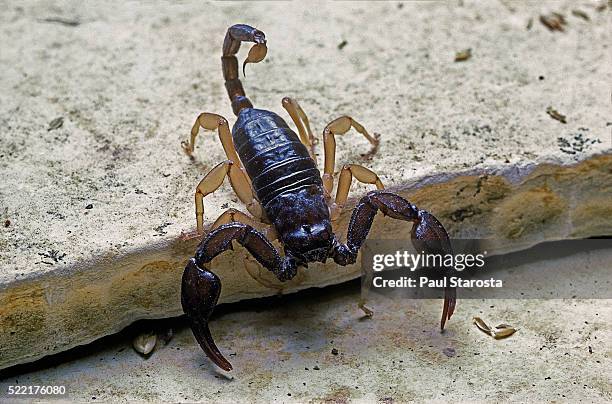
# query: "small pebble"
[[334, 351], [145, 343], [56, 123], [463, 55]]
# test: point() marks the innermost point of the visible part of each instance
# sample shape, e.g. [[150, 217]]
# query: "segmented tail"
[[236, 34]]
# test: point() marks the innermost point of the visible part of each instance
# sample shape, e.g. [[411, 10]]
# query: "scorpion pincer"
[[274, 173]]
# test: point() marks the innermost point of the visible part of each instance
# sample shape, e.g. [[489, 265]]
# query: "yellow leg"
[[349, 171], [216, 122], [238, 176], [234, 215], [300, 119], [339, 126], [213, 180]]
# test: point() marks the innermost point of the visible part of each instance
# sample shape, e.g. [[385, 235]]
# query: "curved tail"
[[236, 34]]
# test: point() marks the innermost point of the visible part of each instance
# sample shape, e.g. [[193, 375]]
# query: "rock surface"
[[94, 205]]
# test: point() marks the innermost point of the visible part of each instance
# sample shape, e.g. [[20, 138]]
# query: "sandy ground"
[[315, 347]]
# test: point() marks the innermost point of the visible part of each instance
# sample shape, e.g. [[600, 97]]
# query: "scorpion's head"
[[309, 242], [305, 229]]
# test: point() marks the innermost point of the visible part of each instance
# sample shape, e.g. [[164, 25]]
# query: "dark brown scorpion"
[[274, 173]]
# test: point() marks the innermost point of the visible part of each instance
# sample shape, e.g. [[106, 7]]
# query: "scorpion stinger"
[[256, 55], [237, 34]]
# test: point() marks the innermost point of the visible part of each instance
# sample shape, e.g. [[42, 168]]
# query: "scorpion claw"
[[429, 235], [450, 299], [204, 338], [200, 292], [256, 54]]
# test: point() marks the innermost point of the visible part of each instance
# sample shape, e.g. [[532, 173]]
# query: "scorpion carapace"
[[274, 173]]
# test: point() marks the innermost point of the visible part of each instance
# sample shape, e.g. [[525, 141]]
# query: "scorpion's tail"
[[236, 34]]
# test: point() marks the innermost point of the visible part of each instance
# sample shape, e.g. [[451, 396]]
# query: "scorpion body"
[[287, 183], [274, 172], [273, 156]]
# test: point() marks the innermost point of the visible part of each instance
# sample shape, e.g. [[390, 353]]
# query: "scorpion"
[[274, 173]]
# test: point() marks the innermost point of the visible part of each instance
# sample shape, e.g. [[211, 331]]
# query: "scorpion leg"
[[211, 121], [301, 121], [340, 126], [213, 180], [216, 122], [234, 215], [427, 233], [200, 288], [349, 171]]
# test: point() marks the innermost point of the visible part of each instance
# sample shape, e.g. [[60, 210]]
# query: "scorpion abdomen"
[[275, 159]]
